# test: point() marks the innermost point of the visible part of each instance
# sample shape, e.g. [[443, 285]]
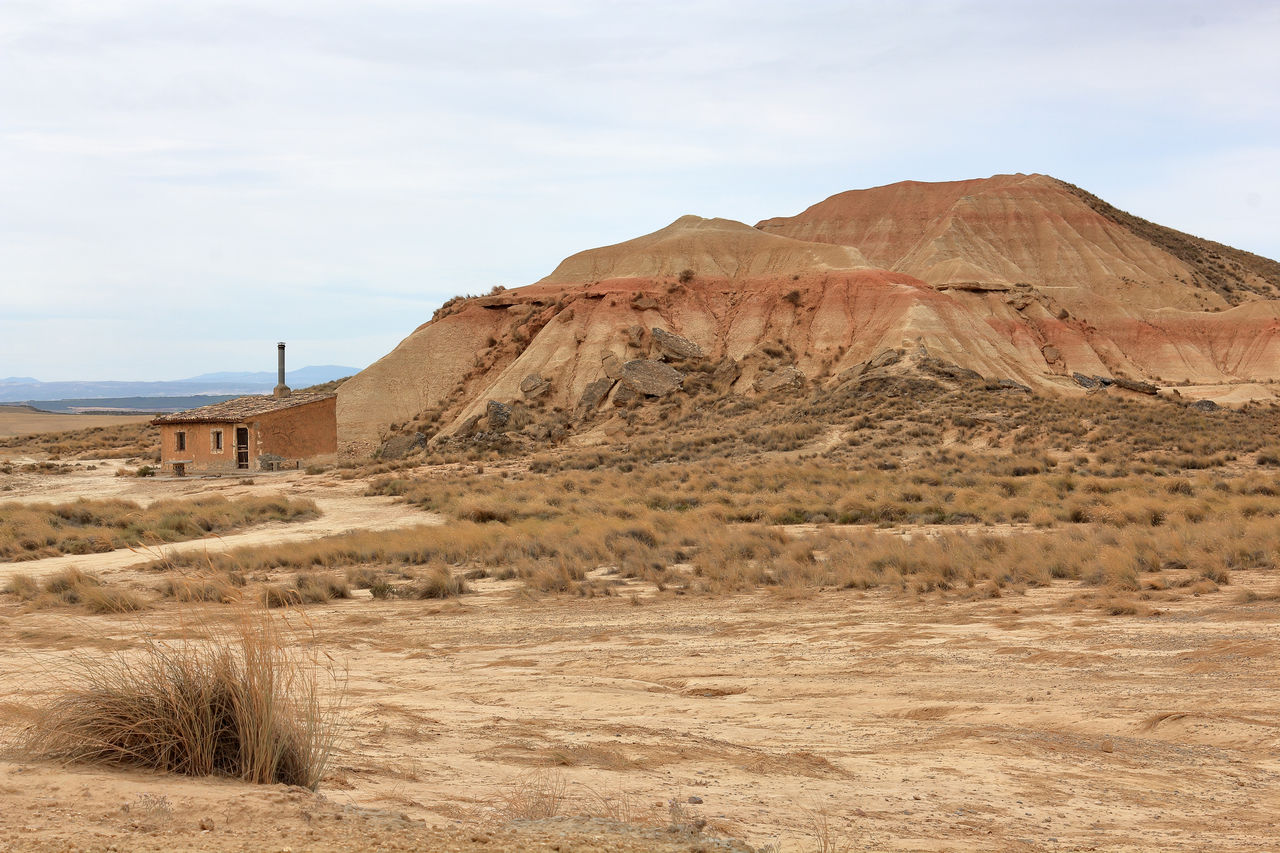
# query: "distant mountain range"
[[21, 389]]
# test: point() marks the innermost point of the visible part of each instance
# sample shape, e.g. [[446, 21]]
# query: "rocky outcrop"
[[498, 415], [1138, 387], [595, 393], [777, 380], [674, 346], [650, 378]]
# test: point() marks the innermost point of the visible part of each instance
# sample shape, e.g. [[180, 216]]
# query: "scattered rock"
[[1205, 405], [726, 373], [498, 415], [625, 395], [612, 366], [884, 359], [400, 446], [783, 377], [534, 385], [674, 345], [1089, 383], [651, 378], [636, 335], [470, 425], [1134, 385], [594, 393]]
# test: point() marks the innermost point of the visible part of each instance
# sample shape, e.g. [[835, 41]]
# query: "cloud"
[[227, 160]]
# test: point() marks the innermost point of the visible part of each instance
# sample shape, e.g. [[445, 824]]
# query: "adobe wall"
[[302, 432], [199, 453]]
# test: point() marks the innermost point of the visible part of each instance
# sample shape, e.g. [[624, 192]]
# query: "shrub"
[[239, 706]]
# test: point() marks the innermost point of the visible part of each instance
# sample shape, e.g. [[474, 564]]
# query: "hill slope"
[[1021, 278]]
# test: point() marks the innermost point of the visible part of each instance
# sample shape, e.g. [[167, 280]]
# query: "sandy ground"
[[15, 421], [834, 720], [904, 724]]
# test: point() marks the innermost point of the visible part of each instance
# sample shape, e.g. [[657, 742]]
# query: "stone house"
[[249, 434]]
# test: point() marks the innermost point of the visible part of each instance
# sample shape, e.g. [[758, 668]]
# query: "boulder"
[[1051, 353], [612, 366], [1205, 406], [644, 303], [400, 446], [625, 395], [1013, 385], [534, 385], [726, 373], [594, 393], [470, 425], [498, 415], [675, 346], [783, 377], [651, 378]]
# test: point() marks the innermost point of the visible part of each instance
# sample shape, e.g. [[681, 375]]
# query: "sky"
[[184, 184]]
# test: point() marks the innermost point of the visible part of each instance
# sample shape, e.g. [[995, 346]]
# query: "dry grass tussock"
[[35, 531], [244, 702], [72, 587]]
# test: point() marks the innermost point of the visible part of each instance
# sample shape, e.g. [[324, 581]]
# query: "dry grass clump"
[[219, 588], [34, 531], [240, 704], [307, 588], [71, 588]]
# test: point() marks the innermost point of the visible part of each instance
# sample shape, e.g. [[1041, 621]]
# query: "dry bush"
[[439, 582], [242, 704]]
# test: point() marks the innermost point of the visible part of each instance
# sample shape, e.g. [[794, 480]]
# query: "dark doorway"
[[242, 447]]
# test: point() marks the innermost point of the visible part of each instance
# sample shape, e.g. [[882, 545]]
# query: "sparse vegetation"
[[243, 704], [34, 531]]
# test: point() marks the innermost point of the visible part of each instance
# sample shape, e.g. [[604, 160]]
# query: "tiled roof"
[[240, 409]]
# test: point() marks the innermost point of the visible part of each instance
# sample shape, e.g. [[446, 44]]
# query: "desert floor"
[[830, 720]]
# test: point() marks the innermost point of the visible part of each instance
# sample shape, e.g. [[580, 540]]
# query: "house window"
[[180, 440], [217, 440]]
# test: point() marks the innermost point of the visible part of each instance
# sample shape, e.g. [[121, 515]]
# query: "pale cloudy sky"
[[184, 183]]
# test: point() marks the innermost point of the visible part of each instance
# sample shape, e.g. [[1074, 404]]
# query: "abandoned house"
[[262, 433]]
